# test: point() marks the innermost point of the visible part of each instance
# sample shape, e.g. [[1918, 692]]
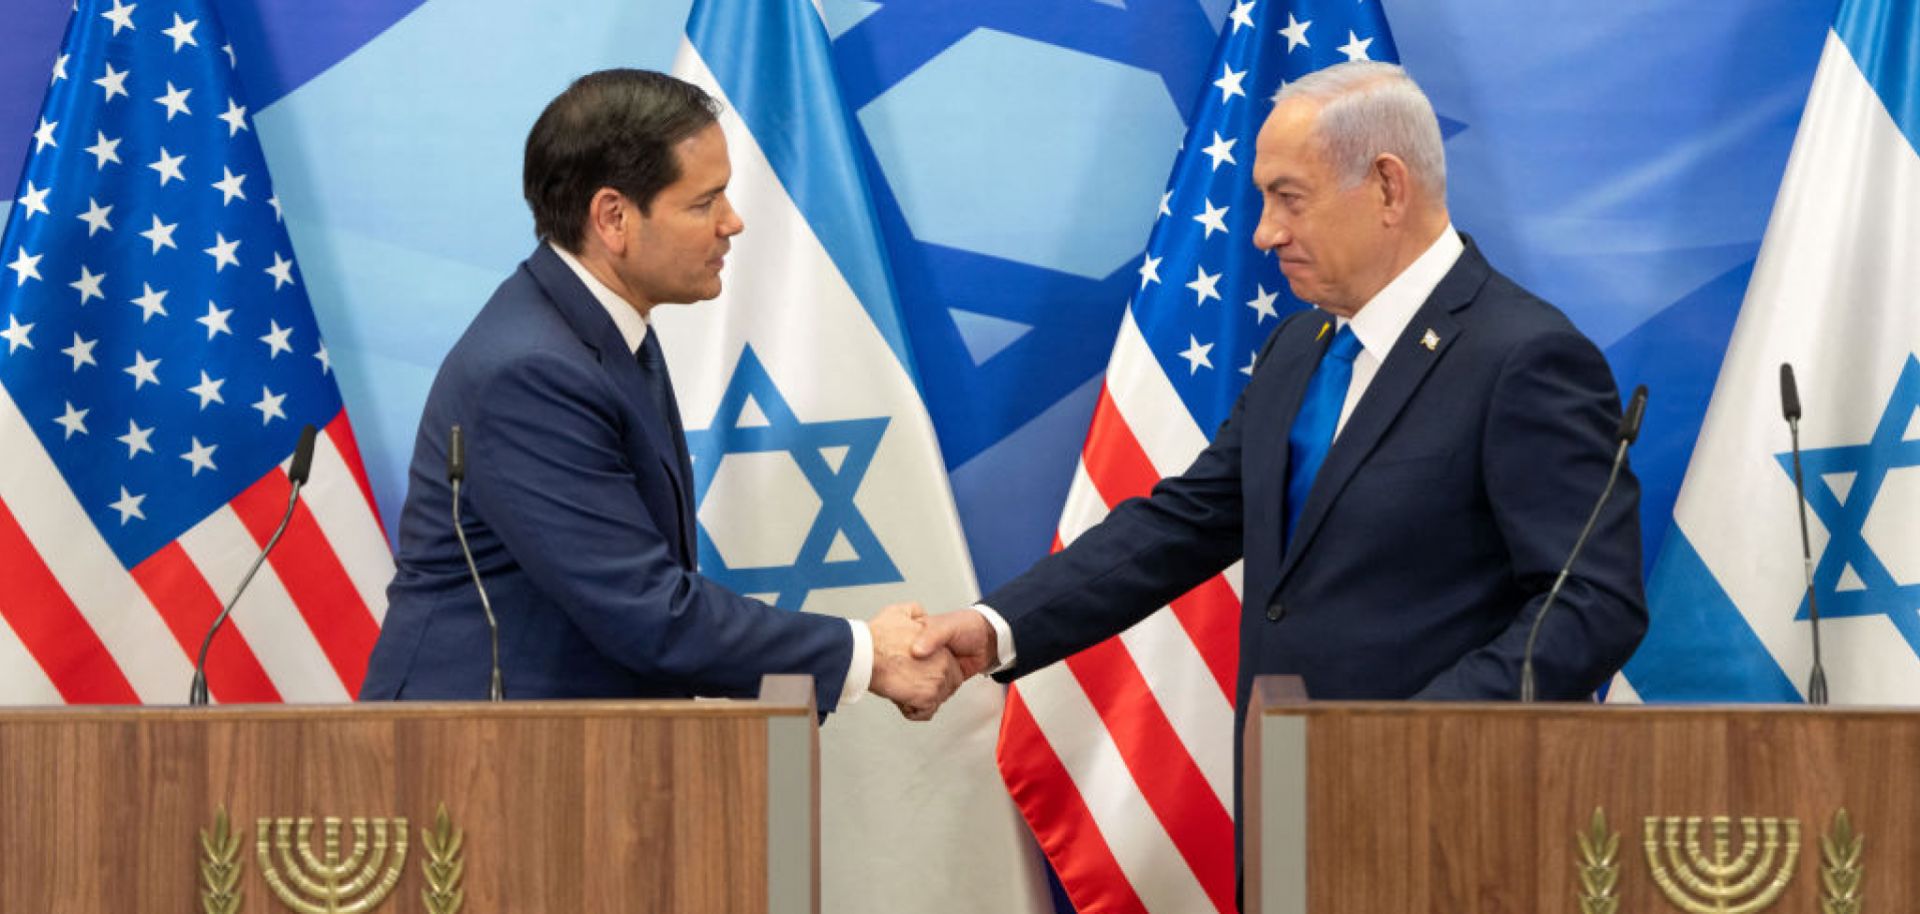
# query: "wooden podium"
[[1408, 808], [603, 806]]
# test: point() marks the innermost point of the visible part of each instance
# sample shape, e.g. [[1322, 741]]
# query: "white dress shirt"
[[633, 330], [1378, 324], [1385, 316]]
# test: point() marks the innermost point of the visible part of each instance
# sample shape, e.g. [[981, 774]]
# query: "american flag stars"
[[43, 137], [25, 266], [1208, 353], [34, 201], [1296, 33], [16, 335], [152, 140], [121, 16], [88, 285]]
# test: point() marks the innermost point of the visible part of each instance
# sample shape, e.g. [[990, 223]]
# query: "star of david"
[[1859, 471], [808, 443]]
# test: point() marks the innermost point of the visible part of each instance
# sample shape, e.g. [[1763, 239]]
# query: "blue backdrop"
[[1619, 159]]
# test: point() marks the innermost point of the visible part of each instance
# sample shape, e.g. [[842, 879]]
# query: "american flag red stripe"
[[340, 432], [1172, 785], [321, 588], [103, 634], [1169, 804], [50, 626], [189, 606], [1042, 787], [1120, 470]]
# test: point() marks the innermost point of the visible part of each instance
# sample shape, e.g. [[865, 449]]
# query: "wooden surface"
[[578, 806], [1475, 808]]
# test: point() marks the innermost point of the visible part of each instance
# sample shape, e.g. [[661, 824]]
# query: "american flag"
[[158, 359], [1121, 758]]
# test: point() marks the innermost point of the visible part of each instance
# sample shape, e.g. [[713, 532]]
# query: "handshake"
[[920, 660]]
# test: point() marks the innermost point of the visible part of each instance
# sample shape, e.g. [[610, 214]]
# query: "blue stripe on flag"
[[777, 70], [1884, 39], [1699, 647]]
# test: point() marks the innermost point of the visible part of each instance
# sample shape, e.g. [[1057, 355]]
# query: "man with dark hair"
[[578, 503]]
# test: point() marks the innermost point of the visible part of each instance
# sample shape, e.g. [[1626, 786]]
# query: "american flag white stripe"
[[1169, 664], [66, 540], [352, 528], [1168, 660], [1079, 738], [222, 549], [1153, 411], [21, 679]]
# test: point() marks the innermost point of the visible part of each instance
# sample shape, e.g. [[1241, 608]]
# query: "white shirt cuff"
[[1003, 637], [860, 672]]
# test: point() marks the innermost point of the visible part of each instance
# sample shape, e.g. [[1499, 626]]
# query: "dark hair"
[[614, 128]]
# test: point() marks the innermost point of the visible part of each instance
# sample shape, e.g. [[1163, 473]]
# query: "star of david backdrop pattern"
[[1619, 160]]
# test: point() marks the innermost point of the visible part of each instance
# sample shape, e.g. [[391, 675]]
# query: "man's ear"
[[1395, 188], [607, 215]]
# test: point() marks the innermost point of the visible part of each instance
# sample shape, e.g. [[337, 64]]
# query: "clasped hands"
[[920, 660]]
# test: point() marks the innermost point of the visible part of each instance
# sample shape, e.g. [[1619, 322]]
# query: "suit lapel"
[[1407, 366], [590, 322]]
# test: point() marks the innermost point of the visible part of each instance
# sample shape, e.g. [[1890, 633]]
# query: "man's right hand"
[[917, 683], [964, 633]]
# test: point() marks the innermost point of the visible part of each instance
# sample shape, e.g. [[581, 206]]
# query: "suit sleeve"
[[1548, 444], [1141, 556], [555, 481]]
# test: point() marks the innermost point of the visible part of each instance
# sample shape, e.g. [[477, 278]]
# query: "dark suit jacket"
[[580, 520], [1431, 535]]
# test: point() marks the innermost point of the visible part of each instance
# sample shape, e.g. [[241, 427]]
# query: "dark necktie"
[[653, 367], [1313, 427]]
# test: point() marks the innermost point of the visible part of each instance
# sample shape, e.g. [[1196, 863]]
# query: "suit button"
[[1274, 612]]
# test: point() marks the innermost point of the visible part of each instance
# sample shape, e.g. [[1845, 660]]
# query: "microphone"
[[1790, 409], [297, 472], [1629, 431], [457, 473]]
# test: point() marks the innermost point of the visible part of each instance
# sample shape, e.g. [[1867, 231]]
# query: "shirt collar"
[[1383, 318], [633, 328]]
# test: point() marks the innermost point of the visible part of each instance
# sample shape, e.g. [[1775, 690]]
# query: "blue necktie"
[[653, 366], [1313, 427]]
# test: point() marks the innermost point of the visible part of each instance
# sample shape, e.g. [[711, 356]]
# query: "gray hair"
[[1368, 108]]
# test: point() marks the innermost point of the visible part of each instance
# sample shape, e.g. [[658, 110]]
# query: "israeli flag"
[[819, 479], [1836, 293]]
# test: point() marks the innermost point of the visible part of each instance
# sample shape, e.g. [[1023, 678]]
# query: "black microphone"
[[457, 473], [1628, 432], [297, 473], [1790, 408]]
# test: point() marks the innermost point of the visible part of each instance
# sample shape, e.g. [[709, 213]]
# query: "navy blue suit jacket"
[[581, 521], [1431, 534]]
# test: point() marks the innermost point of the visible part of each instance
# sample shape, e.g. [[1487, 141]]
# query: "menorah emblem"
[[1721, 882], [330, 883]]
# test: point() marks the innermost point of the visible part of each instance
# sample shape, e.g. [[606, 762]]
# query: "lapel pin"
[[1431, 340], [1323, 332]]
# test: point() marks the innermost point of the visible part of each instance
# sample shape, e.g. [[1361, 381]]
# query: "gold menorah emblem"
[[330, 883], [1721, 882]]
